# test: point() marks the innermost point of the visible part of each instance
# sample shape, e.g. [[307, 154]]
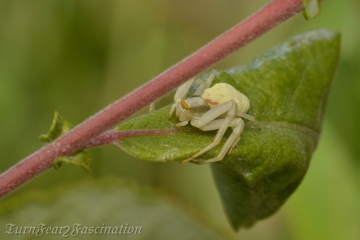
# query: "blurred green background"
[[78, 56]]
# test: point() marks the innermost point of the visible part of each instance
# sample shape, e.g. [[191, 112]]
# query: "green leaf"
[[59, 127], [288, 86], [72, 212], [80, 158], [311, 8]]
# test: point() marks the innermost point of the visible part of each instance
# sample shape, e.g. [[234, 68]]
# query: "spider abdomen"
[[223, 92]]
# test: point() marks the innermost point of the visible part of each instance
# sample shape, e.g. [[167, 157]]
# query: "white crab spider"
[[212, 108]]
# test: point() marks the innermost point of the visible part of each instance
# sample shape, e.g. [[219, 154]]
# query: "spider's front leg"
[[230, 143], [209, 119], [180, 94]]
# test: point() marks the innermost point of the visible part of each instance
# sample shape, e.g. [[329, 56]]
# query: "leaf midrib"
[[174, 130]]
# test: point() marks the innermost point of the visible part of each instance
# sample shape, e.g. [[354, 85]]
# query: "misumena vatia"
[[212, 108]]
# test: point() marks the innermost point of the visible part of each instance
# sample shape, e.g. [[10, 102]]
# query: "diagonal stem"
[[266, 18]]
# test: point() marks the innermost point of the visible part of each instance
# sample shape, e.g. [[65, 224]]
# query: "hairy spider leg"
[[238, 137], [246, 116]]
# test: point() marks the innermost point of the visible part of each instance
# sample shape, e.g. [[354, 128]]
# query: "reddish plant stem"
[[271, 15]]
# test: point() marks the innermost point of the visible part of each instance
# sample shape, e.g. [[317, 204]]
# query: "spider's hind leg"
[[209, 118]]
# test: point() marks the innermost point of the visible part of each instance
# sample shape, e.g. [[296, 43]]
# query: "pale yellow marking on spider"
[[212, 108]]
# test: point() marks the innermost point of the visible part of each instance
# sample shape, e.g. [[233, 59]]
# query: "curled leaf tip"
[[58, 127]]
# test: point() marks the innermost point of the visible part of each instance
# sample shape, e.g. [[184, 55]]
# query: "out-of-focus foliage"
[[77, 56], [117, 215]]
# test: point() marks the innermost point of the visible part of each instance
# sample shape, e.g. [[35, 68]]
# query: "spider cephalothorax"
[[212, 108]]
